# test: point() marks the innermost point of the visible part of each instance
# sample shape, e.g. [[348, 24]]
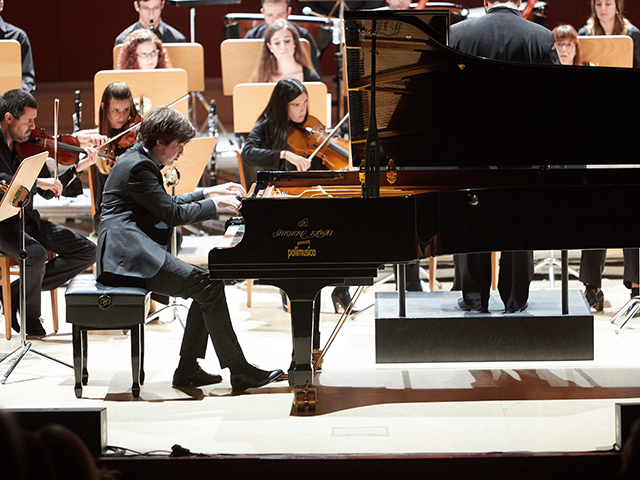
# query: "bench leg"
[[142, 354], [135, 360], [77, 359]]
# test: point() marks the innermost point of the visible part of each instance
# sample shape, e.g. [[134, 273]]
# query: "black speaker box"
[[626, 415], [90, 424]]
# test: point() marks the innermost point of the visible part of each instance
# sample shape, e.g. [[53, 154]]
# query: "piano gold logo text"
[[299, 251], [303, 234]]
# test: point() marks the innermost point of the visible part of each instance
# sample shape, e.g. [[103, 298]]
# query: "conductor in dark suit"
[[501, 34], [136, 222]]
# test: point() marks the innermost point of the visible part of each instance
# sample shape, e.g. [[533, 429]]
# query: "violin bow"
[[328, 137], [56, 108], [135, 125]]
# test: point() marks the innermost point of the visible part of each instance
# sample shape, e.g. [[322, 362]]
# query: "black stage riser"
[[436, 330]]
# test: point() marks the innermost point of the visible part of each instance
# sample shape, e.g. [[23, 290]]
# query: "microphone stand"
[[171, 179], [20, 200]]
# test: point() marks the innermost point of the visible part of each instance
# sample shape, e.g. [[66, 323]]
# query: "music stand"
[[12, 203]]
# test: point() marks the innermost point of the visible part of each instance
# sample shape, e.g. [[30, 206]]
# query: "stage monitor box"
[[90, 424], [626, 415]]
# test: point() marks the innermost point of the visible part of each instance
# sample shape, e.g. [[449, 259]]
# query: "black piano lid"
[[437, 107]]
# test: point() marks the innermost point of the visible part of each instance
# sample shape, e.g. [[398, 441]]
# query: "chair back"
[[239, 58], [607, 50], [153, 87], [250, 99], [11, 66], [188, 56]]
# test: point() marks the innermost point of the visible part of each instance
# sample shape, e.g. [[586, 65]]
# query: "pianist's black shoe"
[[341, 299], [516, 310], [595, 298], [253, 377], [195, 377]]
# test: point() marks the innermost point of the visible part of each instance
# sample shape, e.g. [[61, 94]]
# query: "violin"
[[68, 147], [129, 137], [304, 139]]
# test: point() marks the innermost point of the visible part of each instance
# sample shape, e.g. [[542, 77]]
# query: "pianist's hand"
[[228, 203], [229, 188]]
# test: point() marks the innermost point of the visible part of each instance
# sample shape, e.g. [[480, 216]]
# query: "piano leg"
[[303, 295]]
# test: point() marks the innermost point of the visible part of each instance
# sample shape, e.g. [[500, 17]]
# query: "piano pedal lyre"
[[305, 398]]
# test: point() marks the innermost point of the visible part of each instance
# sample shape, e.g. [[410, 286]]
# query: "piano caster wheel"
[[305, 398]]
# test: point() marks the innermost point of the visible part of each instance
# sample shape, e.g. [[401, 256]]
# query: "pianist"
[[501, 34], [136, 221]]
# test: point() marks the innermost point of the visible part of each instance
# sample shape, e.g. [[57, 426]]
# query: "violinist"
[[142, 49], [267, 147], [117, 114], [282, 56], [75, 253]]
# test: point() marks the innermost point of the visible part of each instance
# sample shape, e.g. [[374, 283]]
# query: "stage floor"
[[363, 407]]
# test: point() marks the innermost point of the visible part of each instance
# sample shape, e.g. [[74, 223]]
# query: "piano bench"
[[93, 306]]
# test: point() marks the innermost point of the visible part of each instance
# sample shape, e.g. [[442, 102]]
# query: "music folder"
[[25, 176]]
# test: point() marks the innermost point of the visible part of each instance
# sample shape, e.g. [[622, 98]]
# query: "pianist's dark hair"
[[276, 115], [620, 26], [164, 124], [15, 101]]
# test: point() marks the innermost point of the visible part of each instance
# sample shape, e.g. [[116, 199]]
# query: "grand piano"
[[486, 156]]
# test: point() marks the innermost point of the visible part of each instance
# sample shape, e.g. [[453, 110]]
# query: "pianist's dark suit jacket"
[[137, 216], [502, 34]]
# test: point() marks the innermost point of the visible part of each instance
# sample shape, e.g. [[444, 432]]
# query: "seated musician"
[[117, 113], [135, 228], [142, 49], [75, 253], [567, 45], [282, 56], [150, 18], [11, 32], [266, 148], [501, 34], [280, 9], [607, 18]]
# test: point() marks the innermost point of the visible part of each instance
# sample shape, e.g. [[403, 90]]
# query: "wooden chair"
[[250, 99], [11, 71], [238, 59], [188, 56], [156, 87], [607, 50], [6, 263]]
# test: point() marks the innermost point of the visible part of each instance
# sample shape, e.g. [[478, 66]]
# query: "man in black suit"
[[135, 228], [501, 34]]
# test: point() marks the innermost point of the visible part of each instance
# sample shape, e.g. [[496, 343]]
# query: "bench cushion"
[[93, 305]]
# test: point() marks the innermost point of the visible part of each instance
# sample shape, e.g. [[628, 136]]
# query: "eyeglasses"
[[565, 46], [147, 9], [153, 53]]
